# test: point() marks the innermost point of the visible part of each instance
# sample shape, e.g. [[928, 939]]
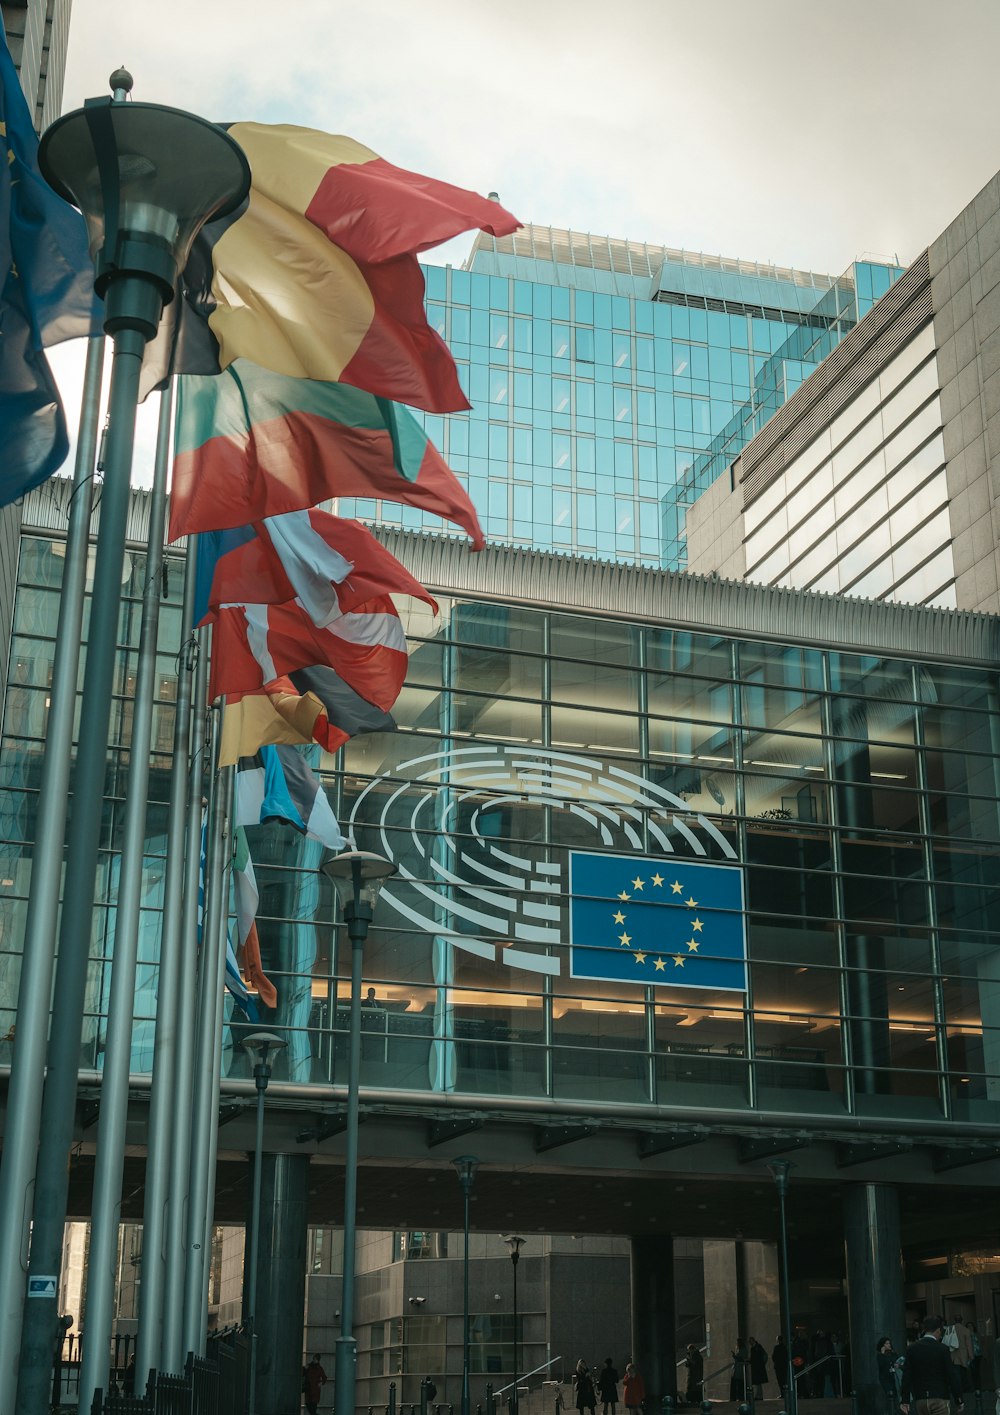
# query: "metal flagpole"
[[164, 1103], [82, 862], [172, 1351], [228, 788], [24, 1099], [204, 1110], [109, 1162]]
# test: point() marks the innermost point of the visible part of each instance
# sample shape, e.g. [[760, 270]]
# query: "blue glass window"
[[560, 341], [560, 302], [460, 325], [583, 307], [584, 399], [562, 455], [623, 461], [499, 331], [561, 395], [621, 351], [621, 312], [583, 345], [522, 296], [499, 293], [541, 301], [499, 386], [522, 336], [498, 443], [461, 287], [522, 446], [622, 404], [585, 454], [437, 318], [436, 278]]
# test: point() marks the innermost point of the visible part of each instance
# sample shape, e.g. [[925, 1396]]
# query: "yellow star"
[[637, 883], [691, 903], [625, 896], [619, 917], [677, 887], [678, 961], [657, 880], [660, 964], [625, 940], [640, 957], [693, 944], [697, 925]]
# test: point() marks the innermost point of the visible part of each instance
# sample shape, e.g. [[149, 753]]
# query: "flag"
[[316, 275], [665, 922], [46, 295], [330, 565], [247, 900], [277, 783], [311, 705], [253, 644], [250, 443]]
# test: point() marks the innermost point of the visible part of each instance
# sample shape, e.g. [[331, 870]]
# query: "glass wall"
[[858, 796], [588, 409]]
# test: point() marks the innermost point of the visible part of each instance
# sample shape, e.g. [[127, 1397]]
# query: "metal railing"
[[218, 1382], [527, 1376]]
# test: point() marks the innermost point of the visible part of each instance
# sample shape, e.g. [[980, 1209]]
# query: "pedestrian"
[[583, 1383], [758, 1368], [313, 1381], [887, 1359], [929, 1377], [740, 1378], [779, 1360], [632, 1388], [607, 1383], [977, 1354], [695, 1374]]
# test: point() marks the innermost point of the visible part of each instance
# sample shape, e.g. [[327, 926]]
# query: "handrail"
[[527, 1375], [703, 1350], [821, 1361]]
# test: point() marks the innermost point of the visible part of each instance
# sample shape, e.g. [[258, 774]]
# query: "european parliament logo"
[[665, 922]]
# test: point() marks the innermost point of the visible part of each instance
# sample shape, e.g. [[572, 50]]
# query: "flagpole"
[[163, 1106], [24, 1103], [204, 1110], [172, 1343], [109, 1162]]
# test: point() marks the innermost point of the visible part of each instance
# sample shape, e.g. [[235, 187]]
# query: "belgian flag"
[[316, 275]]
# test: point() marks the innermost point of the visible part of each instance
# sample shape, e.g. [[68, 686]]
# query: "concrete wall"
[[965, 293], [715, 532]]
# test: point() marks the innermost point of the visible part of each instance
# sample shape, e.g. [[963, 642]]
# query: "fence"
[[215, 1384]]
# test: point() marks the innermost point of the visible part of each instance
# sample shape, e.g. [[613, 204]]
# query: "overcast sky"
[[805, 132]]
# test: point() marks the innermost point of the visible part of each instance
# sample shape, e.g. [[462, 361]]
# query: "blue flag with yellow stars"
[[675, 923], [46, 295]]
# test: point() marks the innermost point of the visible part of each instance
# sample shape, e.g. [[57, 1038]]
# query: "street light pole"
[[259, 1045], [146, 178], [515, 1244], [357, 875], [779, 1173], [466, 1166]]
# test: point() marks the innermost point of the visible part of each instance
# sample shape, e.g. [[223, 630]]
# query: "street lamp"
[[465, 1166], [779, 1173], [357, 875], [514, 1245], [260, 1045], [146, 179]]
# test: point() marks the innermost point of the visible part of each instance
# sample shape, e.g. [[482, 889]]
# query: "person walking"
[[583, 1383], [779, 1360], [313, 1381], [607, 1384], [887, 1359], [695, 1364], [930, 1379], [633, 1389], [740, 1377], [758, 1368]]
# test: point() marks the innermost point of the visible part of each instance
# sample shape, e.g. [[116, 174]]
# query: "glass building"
[[854, 788], [840, 760], [608, 377]]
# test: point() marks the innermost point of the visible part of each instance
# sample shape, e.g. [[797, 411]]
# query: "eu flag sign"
[[675, 923]]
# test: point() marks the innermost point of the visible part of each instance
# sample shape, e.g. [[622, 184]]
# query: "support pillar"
[[281, 1282], [874, 1283], [653, 1318]]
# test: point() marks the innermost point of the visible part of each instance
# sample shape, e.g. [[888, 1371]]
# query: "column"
[[874, 1283], [653, 1320], [281, 1282]]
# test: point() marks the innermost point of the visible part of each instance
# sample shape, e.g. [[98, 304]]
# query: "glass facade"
[[594, 394], [860, 796]]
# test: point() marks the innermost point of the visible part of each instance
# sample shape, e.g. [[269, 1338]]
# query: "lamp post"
[[779, 1173], [260, 1045], [465, 1166], [514, 1245], [146, 179], [357, 875]]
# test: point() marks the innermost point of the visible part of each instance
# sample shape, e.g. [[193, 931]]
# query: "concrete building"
[[879, 476]]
